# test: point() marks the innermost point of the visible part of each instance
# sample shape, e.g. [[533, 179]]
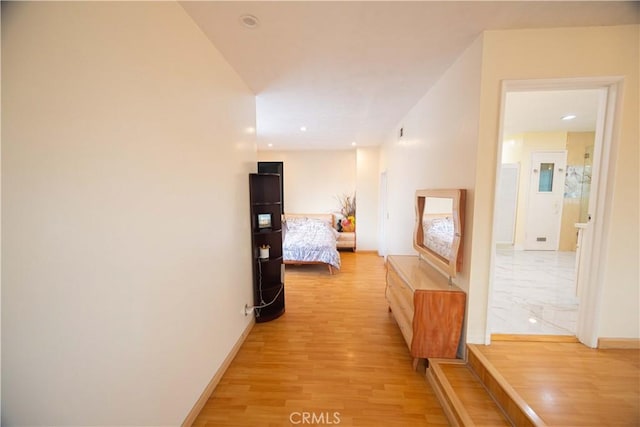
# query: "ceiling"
[[543, 111], [349, 71]]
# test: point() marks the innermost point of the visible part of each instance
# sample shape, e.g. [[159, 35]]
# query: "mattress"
[[310, 240]]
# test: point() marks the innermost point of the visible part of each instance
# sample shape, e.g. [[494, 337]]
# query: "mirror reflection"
[[437, 225]]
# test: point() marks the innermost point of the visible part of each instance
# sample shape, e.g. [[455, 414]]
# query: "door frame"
[[595, 238], [383, 215]]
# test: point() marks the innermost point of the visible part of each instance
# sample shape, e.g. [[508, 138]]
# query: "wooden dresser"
[[428, 310]]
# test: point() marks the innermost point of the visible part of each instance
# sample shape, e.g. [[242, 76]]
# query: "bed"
[[438, 233], [310, 239]]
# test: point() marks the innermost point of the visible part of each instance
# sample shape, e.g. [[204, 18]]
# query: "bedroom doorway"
[[550, 292], [383, 216]]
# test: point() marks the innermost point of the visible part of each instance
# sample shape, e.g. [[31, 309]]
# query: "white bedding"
[[310, 240], [438, 235]]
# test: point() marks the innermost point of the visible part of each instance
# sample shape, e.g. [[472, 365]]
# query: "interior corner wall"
[[314, 179], [437, 150], [367, 189], [554, 54], [124, 206]]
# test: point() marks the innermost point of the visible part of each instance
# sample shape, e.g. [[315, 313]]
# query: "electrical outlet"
[[247, 310]]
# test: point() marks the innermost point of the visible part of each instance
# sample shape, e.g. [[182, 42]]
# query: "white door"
[[546, 192], [507, 203]]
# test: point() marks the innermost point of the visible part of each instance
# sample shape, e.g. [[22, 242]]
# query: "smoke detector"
[[249, 21]]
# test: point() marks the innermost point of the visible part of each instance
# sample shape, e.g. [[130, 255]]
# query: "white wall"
[[569, 53], [443, 147], [314, 179], [438, 150], [124, 204], [367, 183]]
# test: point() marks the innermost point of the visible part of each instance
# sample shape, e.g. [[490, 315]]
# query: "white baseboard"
[[477, 339], [193, 414]]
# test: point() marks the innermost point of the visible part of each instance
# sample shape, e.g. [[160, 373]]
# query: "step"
[[516, 409], [464, 398]]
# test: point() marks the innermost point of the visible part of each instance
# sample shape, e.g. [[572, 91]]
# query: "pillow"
[[295, 223], [335, 232], [317, 222], [321, 224], [441, 225]]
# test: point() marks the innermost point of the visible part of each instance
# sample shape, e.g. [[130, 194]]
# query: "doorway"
[[547, 137], [383, 215]]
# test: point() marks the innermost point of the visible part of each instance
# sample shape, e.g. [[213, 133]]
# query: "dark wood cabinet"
[[277, 168], [266, 232]]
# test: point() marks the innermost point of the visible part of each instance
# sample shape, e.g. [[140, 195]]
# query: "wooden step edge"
[[535, 338], [514, 406], [491, 396], [451, 404]]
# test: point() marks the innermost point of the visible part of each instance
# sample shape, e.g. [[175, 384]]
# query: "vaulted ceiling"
[[349, 71]]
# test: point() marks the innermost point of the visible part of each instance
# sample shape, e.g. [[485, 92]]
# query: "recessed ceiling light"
[[569, 117], [532, 320], [353, 143], [303, 128], [249, 21], [269, 145]]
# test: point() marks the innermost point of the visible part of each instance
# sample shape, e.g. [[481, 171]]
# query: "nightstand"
[[346, 240]]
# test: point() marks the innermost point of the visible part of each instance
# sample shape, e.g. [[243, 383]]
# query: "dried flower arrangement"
[[348, 210], [347, 205]]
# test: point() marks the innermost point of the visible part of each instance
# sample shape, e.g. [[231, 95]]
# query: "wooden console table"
[[428, 310]]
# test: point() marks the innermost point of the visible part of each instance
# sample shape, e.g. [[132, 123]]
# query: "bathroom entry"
[[546, 191], [538, 198]]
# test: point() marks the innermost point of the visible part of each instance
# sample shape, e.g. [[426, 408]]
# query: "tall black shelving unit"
[[268, 274], [278, 168]]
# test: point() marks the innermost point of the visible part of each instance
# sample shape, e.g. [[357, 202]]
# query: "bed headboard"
[[324, 217]]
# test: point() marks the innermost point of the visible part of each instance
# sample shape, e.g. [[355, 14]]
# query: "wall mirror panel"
[[439, 228]]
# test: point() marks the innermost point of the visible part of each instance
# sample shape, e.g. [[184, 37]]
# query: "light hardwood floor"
[[569, 384], [335, 350], [482, 410]]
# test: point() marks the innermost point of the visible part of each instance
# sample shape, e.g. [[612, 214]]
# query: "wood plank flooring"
[[482, 410], [336, 353], [569, 384]]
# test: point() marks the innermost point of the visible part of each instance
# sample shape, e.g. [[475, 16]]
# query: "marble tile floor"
[[534, 293]]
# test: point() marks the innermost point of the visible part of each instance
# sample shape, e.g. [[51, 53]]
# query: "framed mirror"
[[439, 228]]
